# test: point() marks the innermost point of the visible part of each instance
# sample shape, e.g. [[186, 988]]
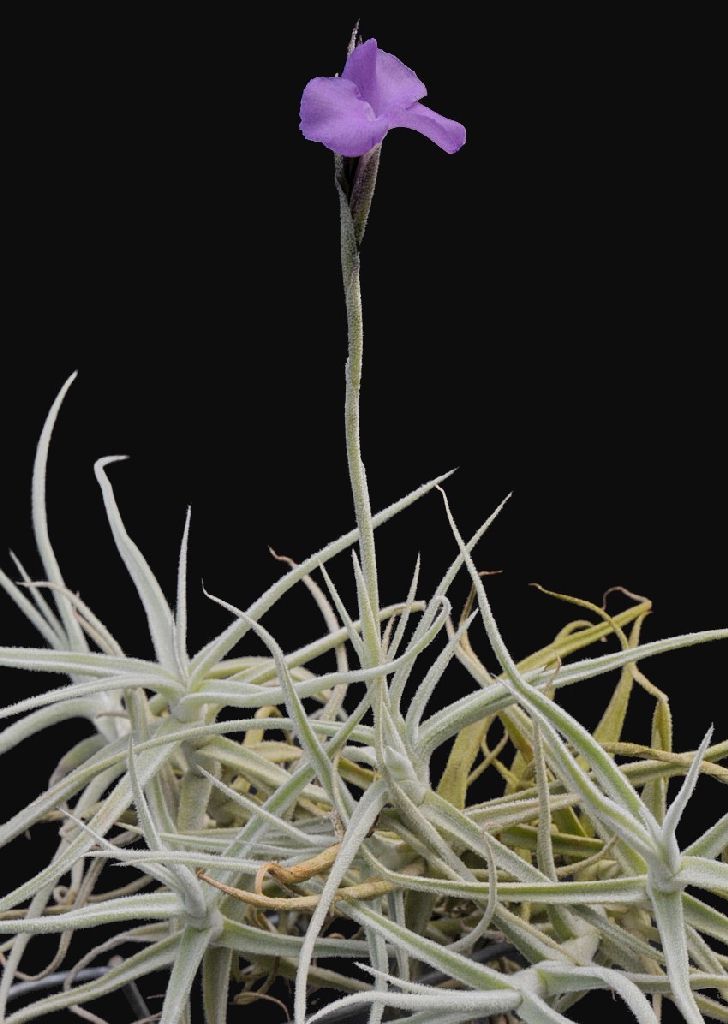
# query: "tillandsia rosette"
[[312, 804]]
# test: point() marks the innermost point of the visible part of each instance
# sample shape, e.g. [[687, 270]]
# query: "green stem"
[[355, 201]]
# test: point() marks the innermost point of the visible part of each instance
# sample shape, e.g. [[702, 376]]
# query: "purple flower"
[[375, 92]]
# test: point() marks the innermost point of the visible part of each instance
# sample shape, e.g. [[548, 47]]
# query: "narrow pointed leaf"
[[154, 906], [149, 960], [159, 616], [71, 626], [362, 819], [180, 624], [191, 948], [216, 966], [705, 873], [676, 808], [670, 920], [49, 634], [217, 648], [562, 979]]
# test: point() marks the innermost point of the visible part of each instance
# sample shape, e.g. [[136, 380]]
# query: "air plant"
[[246, 845]]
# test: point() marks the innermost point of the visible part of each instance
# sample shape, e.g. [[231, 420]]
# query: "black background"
[[544, 310]]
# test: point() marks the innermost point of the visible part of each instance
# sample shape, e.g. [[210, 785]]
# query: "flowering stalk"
[[355, 200], [351, 114]]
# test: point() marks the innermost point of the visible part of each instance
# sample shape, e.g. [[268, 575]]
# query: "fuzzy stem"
[[355, 201]]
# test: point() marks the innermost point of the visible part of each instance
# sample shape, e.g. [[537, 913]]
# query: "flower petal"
[[333, 112], [448, 135], [383, 80]]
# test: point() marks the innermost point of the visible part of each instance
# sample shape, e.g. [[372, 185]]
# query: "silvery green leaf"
[[43, 718], [154, 958], [153, 866], [259, 670], [216, 966], [433, 676], [363, 817], [396, 912], [470, 1004], [530, 941], [91, 624], [281, 825], [49, 634], [180, 621], [351, 630], [661, 983], [182, 880], [360, 734], [706, 919], [404, 619], [306, 734], [190, 950], [258, 769], [242, 938], [44, 608], [440, 1017], [235, 695], [441, 590], [613, 781], [446, 723], [368, 614], [467, 941], [668, 910], [16, 947], [449, 818], [638, 841], [153, 906], [676, 808], [379, 960], [712, 841], [534, 1010], [72, 629], [561, 978], [148, 859], [289, 790], [109, 756], [216, 650], [705, 873], [73, 690], [82, 663], [113, 805], [451, 964], [159, 615]]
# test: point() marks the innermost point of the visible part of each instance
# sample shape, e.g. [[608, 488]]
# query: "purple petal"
[[383, 80], [333, 112], [448, 135]]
